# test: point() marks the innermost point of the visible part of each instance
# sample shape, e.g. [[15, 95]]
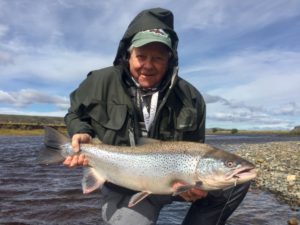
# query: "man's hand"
[[191, 195], [78, 160]]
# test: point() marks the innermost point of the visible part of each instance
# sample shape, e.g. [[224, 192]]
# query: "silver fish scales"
[[152, 167]]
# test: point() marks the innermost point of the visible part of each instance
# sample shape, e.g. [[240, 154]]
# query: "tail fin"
[[52, 150]]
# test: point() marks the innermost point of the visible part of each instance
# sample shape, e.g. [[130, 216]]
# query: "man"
[[142, 95]]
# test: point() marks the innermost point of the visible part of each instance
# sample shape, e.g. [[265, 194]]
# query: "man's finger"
[[74, 161], [75, 144], [67, 161], [85, 162], [81, 159]]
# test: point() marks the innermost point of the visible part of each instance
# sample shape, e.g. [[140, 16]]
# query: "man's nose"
[[148, 63]]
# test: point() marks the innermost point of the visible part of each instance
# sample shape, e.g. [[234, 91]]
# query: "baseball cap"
[[154, 35]]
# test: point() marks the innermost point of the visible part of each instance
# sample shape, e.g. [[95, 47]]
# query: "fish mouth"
[[246, 173]]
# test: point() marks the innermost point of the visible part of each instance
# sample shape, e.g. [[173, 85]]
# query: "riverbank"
[[33, 125], [278, 166], [29, 129], [28, 125]]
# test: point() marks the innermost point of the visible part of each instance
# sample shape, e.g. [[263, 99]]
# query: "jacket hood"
[[156, 18]]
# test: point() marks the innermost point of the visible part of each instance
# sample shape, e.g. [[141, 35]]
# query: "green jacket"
[[103, 104]]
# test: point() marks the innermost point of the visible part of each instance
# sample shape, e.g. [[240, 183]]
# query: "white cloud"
[[265, 90], [3, 30], [14, 111], [25, 97], [289, 109], [231, 104], [52, 64], [6, 97], [235, 15], [240, 114], [242, 118], [256, 77]]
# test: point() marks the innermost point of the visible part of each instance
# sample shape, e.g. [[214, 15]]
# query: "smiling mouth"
[[147, 75]]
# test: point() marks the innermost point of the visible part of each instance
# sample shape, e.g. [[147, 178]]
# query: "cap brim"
[[142, 42]]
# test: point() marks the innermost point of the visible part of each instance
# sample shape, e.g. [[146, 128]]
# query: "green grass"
[[33, 125], [20, 132], [6, 118], [253, 132], [28, 125], [26, 132]]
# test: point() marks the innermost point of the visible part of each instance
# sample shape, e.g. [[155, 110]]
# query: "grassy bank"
[[221, 131], [28, 125], [33, 125], [18, 132], [5, 118], [26, 129], [251, 132]]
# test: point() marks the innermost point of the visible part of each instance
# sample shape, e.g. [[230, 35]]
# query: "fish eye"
[[229, 164]]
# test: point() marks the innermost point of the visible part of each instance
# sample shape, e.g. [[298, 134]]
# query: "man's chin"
[[144, 83]]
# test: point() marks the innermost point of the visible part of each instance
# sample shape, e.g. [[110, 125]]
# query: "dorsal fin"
[[145, 140]]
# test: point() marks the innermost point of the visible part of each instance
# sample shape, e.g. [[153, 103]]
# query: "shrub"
[[214, 130], [234, 131]]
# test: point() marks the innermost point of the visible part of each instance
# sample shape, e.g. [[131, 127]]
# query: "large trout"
[[153, 167]]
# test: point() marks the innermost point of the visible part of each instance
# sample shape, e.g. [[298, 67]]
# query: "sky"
[[243, 56]]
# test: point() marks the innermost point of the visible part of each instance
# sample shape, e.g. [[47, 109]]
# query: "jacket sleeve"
[[201, 109], [77, 120], [196, 113], [198, 134]]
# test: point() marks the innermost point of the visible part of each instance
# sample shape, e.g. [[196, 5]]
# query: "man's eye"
[[158, 58], [141, 56]]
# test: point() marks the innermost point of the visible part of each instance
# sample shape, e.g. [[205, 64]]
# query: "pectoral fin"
[[135, 199], [181, 187], [91, 180]]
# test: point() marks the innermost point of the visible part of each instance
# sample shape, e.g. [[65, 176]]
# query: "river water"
[[35, 194]]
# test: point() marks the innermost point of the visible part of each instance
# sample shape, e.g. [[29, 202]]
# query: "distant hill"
[[37, 122], [4, 118], [296, 130]]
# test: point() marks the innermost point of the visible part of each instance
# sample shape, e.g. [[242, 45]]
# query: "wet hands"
[[78, 160], [192, 194]]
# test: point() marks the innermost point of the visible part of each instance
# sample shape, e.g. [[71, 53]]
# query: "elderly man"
[[141, 95]]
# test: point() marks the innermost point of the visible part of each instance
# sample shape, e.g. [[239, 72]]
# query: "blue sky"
[[243, 56]]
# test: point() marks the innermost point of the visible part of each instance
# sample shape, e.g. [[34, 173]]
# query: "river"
[[35, 194]]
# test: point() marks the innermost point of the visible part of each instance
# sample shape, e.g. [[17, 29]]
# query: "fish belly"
[[148, 172]]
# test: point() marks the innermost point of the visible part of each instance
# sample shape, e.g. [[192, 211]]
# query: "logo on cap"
[[153, 35]]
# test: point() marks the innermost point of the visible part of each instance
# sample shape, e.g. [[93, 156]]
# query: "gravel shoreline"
[[278, 166]]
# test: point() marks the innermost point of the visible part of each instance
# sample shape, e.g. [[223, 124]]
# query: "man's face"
[[148, 64]]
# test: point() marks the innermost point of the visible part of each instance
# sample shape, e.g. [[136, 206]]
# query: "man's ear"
[[126, 56], [171, 63]]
